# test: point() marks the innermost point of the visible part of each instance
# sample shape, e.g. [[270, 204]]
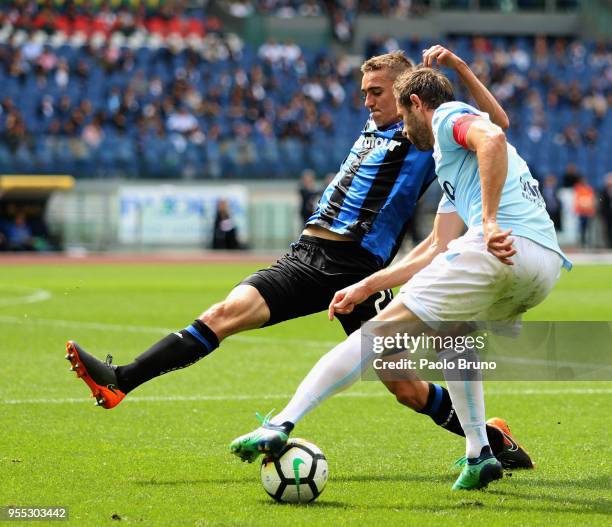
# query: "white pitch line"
[[29, 295], [322, 345], [120, 328], [204, 398]]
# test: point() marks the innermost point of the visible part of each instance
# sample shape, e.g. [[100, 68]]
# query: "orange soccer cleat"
[[513, 455], [99, 376]]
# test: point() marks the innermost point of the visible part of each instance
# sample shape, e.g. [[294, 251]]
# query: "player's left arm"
[[483, 97], [447, 227], [489, 142]]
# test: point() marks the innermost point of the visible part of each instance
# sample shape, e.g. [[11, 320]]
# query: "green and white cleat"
[[478, 475], [267, 439]]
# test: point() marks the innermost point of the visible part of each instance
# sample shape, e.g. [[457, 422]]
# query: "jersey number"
[[381, 299], [449, 190]]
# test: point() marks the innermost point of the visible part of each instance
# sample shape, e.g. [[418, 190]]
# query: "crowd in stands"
[[394, 8], [558, 94], [105, 17], [205, 105]]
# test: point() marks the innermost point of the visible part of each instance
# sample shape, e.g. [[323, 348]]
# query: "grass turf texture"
[[166, 462]]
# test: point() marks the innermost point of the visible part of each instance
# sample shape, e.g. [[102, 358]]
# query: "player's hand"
[[346, 299], [498, 242], [442, 56]]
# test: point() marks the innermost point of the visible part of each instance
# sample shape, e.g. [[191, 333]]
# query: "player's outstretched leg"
[[177, 350], [478, 472], [268, 438], [100, 376], [244, 308]]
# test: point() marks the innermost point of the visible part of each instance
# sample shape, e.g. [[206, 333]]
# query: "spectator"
[[584, 207], [550, 194], [16, 135], [212, 147], [19, 234], [290, 52], [47, 60], [32, 49], [92, 133], [270, 51], [335, 90], [571, 176], [225, 235], [241, 8], [314, 89], [309, 8], [267, 144], [182, 122], [606, 208], [62, 74]]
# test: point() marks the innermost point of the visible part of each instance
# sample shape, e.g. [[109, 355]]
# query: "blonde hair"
[[395, 62]]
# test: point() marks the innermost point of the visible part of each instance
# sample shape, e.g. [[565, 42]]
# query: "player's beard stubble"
[[420, 136]]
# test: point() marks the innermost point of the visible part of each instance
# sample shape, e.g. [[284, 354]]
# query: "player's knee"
[[231, 316], [225, 312], [214, 312], [215, 318]]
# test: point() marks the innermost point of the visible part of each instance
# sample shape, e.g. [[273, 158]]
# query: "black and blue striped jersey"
[[374, 194]]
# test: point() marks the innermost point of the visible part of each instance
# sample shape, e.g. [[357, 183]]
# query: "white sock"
[[334, 372], [468, 400]]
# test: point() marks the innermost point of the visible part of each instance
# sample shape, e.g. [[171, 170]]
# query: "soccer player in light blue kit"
[[483, 275]]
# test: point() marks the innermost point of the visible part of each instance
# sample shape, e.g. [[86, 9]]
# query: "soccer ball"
[[297, 475]]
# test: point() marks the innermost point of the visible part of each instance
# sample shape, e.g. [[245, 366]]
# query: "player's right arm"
[[483, 97], [447, 227]]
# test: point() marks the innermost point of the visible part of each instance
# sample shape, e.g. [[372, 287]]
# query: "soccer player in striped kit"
[[355, 231]]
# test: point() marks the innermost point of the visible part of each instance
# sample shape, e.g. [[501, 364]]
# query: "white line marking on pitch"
[[120, 328], [204, 398], [321, 345], [28, 295]]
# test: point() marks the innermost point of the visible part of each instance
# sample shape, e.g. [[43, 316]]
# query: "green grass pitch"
[[161, 457]]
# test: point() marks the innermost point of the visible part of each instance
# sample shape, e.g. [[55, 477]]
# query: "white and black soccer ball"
[[297, 475]]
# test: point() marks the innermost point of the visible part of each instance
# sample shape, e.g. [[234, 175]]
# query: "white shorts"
[[468, 283]]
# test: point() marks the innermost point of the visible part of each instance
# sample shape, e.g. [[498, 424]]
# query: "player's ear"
[[416, 101]]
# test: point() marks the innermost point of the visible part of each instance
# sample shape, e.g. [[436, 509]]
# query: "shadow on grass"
[[407, 478], [472, 505], [590, 483], [597, 504], [552, 501], [318, 504], [200, 481]]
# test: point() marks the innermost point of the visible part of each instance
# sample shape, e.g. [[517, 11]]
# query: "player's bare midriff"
[[321, 232]]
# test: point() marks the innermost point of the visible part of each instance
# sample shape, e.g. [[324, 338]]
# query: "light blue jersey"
[[521, 206]]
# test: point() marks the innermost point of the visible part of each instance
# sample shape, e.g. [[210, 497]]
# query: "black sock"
[[177, 350], [440, 408]]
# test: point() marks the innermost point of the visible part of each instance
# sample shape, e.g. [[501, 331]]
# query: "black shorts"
[[304, 281]]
